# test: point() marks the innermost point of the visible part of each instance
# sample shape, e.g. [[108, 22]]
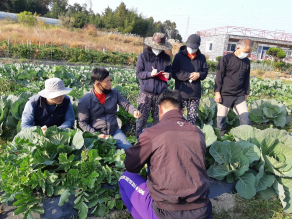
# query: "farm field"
[[89, 37], [71, 162]]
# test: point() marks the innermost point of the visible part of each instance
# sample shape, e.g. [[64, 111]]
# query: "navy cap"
[[194, 41]]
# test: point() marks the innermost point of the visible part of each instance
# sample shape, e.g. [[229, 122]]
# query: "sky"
[[206, 14]]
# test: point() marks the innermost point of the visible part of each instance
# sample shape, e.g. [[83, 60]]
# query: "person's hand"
[[245, 96], [166, 75], [44, 129], [137, 114], [218, 98], [103, 136], [154, 72], [194, 76]]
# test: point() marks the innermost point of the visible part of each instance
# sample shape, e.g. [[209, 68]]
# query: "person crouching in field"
[[49, 107], [189, 68], [232, 85], [97, 109], [178, 184], [153, 69]]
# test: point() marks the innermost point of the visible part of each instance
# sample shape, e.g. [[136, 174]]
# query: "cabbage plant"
[[264, 111]]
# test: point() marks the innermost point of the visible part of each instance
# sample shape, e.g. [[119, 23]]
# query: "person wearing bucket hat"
[[49, 107], [153, 70], [97, 109], [189, 68]]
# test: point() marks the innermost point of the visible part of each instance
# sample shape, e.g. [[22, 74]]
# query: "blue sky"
[[205, 14]]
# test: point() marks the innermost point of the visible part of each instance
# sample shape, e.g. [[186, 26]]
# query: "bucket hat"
[[158, 42], [194, 41], [54, 87]]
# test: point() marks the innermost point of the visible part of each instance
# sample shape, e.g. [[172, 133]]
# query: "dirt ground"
[[271, 74]]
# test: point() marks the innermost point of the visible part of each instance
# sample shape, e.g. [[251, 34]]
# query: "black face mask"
[[105, 91]]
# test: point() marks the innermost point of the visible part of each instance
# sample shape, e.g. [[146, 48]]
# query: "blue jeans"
[[121, 141]]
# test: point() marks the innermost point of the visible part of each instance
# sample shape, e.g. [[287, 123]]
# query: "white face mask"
[[191, 50], [243, 55], [156, 51]]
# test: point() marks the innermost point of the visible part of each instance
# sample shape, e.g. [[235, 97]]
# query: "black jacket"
[[182, 67], [233, 76], [146, 61]]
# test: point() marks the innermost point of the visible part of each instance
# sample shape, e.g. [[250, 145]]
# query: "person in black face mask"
[[97, 109]]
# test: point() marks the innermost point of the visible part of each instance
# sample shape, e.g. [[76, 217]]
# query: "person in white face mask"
[[150, 62], [232, 85], [189, 68]]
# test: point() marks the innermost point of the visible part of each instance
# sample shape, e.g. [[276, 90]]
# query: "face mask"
[[191, 50], [243, 55], [156, 51], [105, 91]]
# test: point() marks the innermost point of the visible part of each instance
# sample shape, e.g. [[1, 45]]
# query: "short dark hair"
[[171, 96], [99, 74]]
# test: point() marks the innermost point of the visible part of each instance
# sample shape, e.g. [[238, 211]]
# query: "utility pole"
[[187, 29]]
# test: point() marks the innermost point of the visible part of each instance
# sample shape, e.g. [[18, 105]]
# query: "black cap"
[[194, 41]]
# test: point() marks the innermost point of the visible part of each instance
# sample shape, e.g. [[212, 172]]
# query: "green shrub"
[[218, 58], [27, 18], [279, 65], [276, 53], [212, 66]]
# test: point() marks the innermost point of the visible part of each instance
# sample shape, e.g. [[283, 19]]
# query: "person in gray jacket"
[[97, 109]]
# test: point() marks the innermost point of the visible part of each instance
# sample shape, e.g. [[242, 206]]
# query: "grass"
[[255, 208], [2, 142], [93, 38]]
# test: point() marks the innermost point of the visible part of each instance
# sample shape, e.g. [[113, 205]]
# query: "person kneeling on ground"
[[49, 107], [178, 185], [97, 109]]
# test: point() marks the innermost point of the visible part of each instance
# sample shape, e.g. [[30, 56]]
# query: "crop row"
[[72, 162]]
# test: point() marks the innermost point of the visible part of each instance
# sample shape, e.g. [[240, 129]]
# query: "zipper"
[[107, 131], [52, 115]]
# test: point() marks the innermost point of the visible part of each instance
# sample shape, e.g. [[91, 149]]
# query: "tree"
[[108, 18], [169, 28], [58, 7], [277, 53], [4, 5], [34, 6]]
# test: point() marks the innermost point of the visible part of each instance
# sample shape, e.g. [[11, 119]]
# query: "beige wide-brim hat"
[[54, 87], [158, 42]]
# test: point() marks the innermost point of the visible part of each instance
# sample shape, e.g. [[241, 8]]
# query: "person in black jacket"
[[232, 85], [153, 69], [189, 68]]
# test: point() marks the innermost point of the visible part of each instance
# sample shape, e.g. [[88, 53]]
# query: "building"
[[13, 17], [221, 41]]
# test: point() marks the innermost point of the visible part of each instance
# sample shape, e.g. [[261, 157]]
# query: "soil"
[[224, 202], [220, 194], [271, 74]]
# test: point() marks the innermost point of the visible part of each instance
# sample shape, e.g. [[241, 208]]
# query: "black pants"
[[146, 103]]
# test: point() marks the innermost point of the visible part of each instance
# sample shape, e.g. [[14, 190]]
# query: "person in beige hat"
[[154, 70], [49, 107]]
